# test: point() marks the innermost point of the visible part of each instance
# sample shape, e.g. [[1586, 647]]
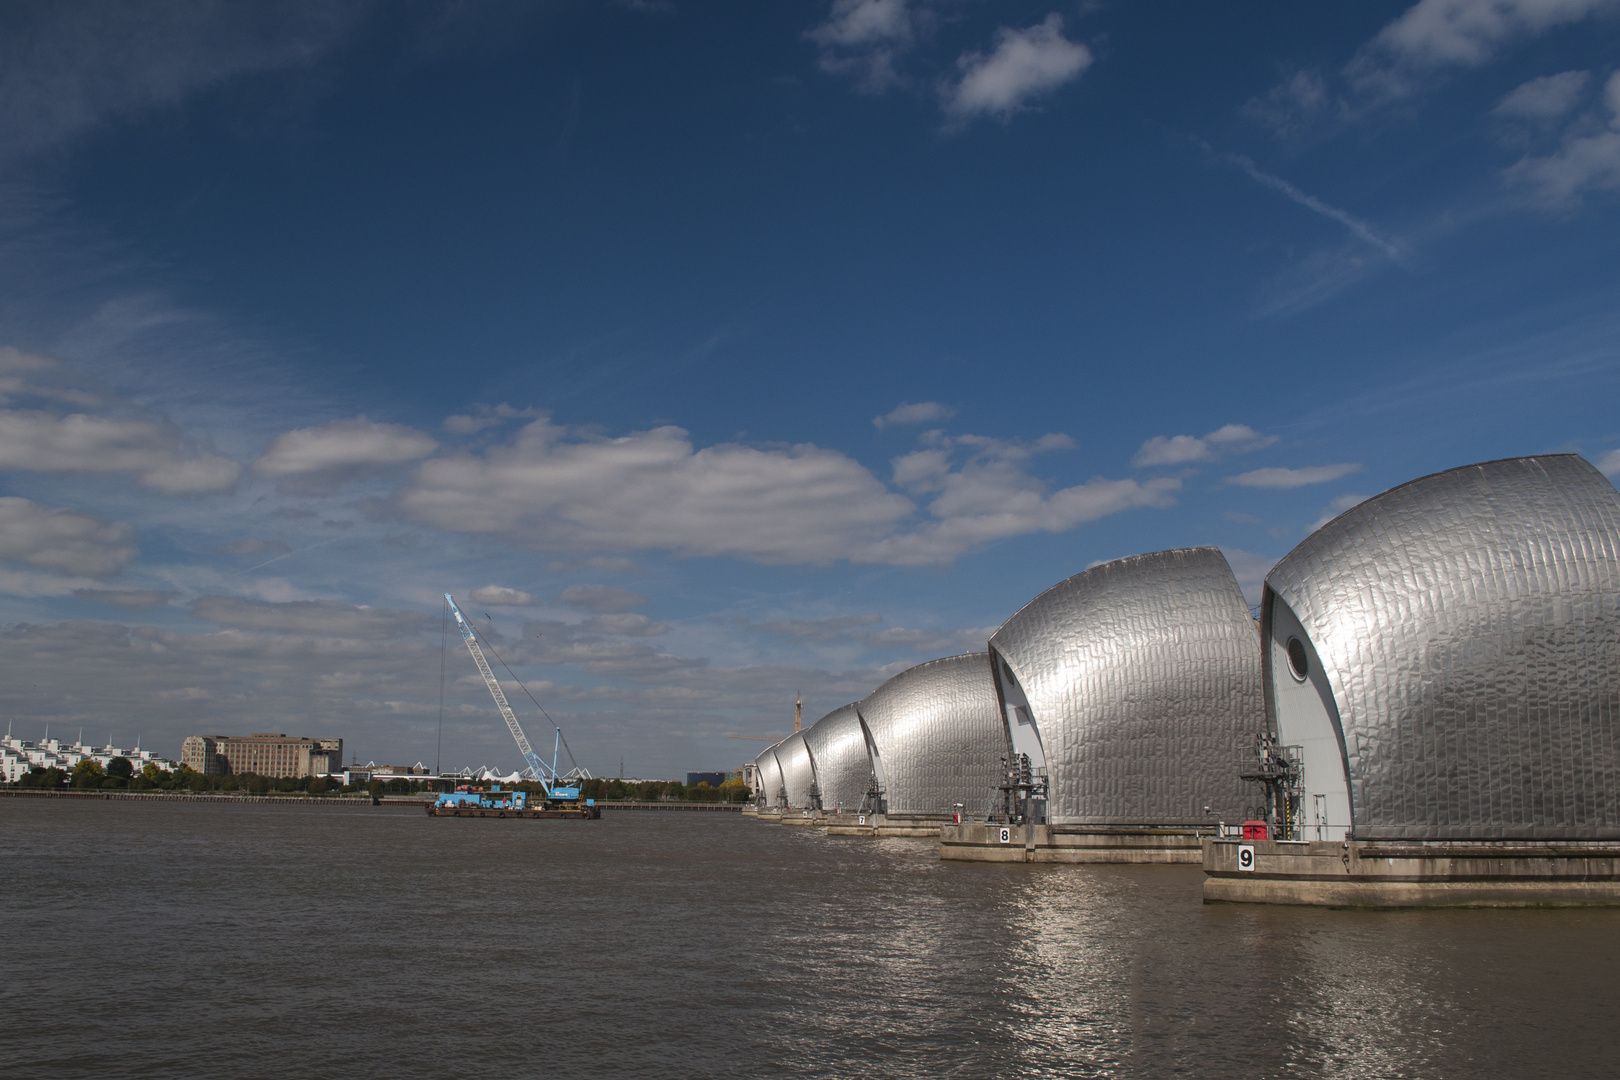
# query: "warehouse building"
[[1131, 698], [1442, 670], [262, 753]]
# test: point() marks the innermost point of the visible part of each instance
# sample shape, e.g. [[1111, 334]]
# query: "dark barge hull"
[[582, 813]]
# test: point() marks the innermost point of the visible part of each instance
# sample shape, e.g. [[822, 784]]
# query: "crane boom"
[[546, 774]]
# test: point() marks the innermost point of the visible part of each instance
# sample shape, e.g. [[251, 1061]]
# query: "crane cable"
[[525, 689]]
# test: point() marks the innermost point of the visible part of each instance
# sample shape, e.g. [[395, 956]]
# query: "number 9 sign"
[[1245, 857]]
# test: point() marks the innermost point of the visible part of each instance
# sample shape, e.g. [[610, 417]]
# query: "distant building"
[[713, 779], [18, 756], [263, 753]]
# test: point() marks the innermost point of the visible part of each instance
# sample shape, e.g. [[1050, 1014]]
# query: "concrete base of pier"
[[883, 825], [1433, 873], [803, 817], [979, 842]]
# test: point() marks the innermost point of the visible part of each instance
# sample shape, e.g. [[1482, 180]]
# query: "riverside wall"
[[989, 842], [1360, 873]]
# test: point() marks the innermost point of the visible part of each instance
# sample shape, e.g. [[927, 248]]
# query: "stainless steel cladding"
[[798, 777], [1452, 650], [936, 736], [838, 752], [1137, 683], [771, 791]]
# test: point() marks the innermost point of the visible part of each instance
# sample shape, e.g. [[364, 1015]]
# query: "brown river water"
[[145, 939]]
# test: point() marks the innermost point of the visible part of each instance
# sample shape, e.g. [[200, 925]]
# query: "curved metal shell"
[[771, 789], [1138, 681], [936, 736], [1467, 630], [838, 752], [798, 775]]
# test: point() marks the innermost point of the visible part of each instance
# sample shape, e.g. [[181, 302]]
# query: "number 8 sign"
[[1245, 857]]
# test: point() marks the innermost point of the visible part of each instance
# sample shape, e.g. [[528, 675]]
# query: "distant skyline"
[[713, 353]]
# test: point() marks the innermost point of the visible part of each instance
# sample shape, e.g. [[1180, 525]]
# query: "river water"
[[191, 940]]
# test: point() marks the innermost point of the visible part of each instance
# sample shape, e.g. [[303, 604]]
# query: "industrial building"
[[262, 753], [1131, 698], [837, 745], [1442, 671]]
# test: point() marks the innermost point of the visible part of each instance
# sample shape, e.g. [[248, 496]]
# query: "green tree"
[[196, 781], [317, 785], [120, 769], [375, 788], [88, 774], [152, 774]]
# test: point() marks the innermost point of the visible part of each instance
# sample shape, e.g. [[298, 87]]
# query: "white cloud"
[[655, 491], [501, 596], [1545, 98], [54, 539], [914, 412], [254, 546], [602, 599], [822, 631], [624, 624], [862, 39], [66, 68], [310, 618], [1587, 158], [485, 416], [1609, 464], [1337, 507], [1459, 33], [1280, 478], [863, 23], [133, 599], [1024, 64], [1412, 50], [343, 444], [47, 440], [1184, 449], [79, 443]]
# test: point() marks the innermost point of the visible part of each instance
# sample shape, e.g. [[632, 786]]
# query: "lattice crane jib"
[[545, 774]]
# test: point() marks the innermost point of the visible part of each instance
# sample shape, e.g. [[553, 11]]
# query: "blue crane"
[[546, 774]]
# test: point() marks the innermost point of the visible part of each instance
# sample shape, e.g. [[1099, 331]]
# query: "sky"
[[717, 353]]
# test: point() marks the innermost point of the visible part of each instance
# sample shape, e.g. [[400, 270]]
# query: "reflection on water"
[[183, 940]]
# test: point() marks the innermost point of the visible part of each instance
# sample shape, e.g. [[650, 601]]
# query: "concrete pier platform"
[[883, 825], [1434, 873], [808, 818], [980, 842]]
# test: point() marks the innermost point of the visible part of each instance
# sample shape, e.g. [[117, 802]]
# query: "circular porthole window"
[[1298, 663]]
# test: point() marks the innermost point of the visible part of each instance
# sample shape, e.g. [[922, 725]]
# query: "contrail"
[[1311, 202], [288, 555]]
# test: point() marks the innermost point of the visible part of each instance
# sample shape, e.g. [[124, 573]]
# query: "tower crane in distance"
[[547, 775]]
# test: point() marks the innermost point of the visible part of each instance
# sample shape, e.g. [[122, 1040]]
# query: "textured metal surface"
[[770, 778], [938, 736], [1143, 677], [838, 752], [1469, 626], [797, 774]]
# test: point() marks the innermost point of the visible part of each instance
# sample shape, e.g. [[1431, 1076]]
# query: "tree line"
[[120, 774]]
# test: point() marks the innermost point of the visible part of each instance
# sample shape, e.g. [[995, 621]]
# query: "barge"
[[492, 802]]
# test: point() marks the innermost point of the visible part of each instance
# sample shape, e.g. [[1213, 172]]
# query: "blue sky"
[[730, 351]]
